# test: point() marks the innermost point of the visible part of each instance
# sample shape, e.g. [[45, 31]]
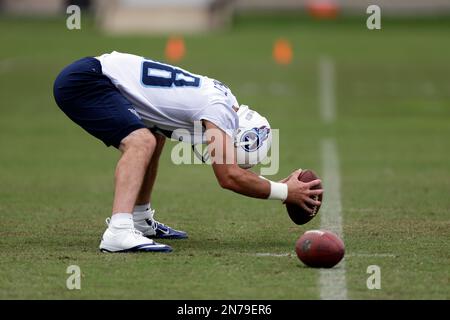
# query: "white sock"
[[142, 207], [142, 212], [122, 220]]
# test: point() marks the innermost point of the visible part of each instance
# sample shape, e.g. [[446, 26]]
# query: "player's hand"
[[300, 193], [289, 176]]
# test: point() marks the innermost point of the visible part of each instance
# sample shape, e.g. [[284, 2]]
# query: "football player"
[[134, 103]]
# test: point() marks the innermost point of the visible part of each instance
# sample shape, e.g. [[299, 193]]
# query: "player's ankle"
[[141, 216], [121, 220], [142, 212]]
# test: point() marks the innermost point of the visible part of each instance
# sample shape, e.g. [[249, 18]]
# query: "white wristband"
[[278, 191]]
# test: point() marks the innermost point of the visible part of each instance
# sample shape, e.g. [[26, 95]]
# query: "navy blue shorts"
[[90, 99]]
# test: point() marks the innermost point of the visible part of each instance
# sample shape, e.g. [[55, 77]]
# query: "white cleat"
[[125, 238]]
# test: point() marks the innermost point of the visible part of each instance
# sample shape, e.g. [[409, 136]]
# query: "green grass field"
[[392, 133]]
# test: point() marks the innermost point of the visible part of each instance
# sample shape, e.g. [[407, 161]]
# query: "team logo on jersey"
[[134, 112], [253, 139]]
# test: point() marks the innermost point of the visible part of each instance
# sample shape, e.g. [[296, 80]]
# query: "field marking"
[[348, 255], [327, 98], [428, 88], [279, 89], [371, 255], [333, 284], [250, 88], [7, 64], [268, 254], [273, 88]]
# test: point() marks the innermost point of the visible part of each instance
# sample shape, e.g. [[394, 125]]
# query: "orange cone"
[[282, 51], [323, 9], [175, 49]]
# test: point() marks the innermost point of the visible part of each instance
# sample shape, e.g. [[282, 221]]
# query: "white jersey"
[[168, 97]]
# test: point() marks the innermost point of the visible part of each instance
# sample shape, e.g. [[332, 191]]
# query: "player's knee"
[[141, 141], [145, 144]]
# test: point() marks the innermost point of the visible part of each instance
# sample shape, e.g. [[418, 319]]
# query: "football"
[[320, 249], [297, 214]]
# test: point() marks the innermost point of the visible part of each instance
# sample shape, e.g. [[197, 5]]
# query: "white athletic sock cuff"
[[122, 220], [142, 207], [141, 215]]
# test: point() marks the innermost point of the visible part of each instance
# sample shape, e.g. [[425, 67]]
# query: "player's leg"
[[137, 150], [90, 99], [145, 193], [143, 214]]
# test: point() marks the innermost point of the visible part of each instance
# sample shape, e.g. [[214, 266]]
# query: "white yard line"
[[333, 284], [371, 255], [331, 210], [268, 254], [327, 97]]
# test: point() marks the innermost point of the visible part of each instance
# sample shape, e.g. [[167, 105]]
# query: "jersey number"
[[161, 75]]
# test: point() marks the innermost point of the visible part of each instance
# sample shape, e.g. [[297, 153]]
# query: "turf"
[[392, 132]]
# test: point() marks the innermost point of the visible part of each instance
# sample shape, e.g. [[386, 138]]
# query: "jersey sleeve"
[[222, 115]]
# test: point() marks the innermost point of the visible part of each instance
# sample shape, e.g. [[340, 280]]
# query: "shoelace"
[[136, 233], [153, 223]]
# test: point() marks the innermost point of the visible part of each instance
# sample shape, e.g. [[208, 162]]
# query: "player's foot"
[[154, 229], [125, 238]]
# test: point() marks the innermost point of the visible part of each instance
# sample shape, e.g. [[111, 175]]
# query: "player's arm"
[[230, 176]]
